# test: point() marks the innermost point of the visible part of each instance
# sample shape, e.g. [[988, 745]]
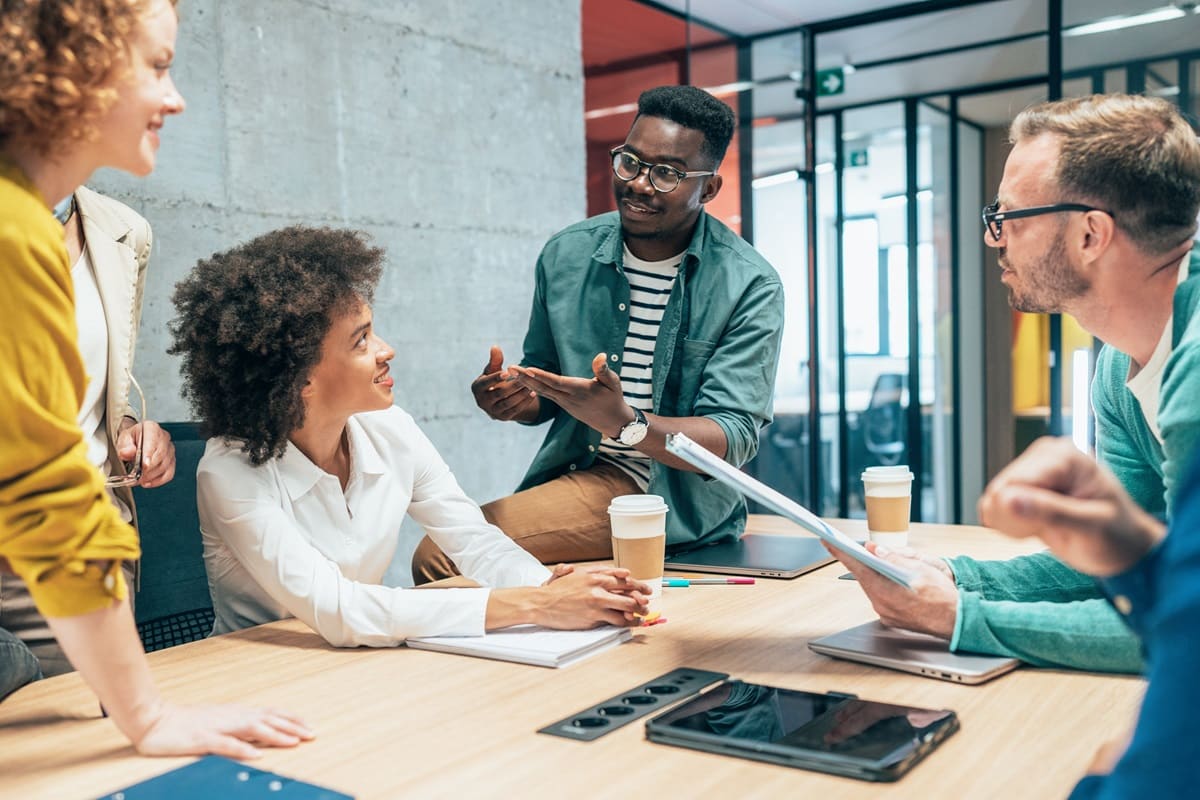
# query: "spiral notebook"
[[529, 644]]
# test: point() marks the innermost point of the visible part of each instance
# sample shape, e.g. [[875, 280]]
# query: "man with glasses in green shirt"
[[646, 321], [1095, 218]]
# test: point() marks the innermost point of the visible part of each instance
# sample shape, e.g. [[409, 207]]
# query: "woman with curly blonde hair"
[[83, 84]]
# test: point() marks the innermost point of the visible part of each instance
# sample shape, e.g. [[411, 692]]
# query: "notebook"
[[529, 644], [873, 643], [717, 467], [758, 554], [214, 776]]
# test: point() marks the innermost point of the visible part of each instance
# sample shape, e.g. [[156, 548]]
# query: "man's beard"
[[1049, 283]]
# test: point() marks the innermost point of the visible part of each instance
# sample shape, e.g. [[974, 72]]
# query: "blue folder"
[[216, 777]]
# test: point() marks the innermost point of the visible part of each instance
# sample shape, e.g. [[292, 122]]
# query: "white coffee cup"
[[639, 533], [888, 494]]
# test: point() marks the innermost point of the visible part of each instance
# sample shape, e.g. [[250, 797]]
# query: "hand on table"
[[932, 605], [231, 731], [597, 402], [499, 395], [1074, 505], [158, 451]]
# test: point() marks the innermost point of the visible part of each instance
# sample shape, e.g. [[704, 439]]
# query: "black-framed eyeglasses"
[[133, 472], [663, 177], [993, 217]]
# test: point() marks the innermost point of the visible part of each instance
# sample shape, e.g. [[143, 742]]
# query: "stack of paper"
[[529, 644]]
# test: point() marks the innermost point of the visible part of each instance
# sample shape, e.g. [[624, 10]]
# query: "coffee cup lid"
[[637, 504], [896, 474]]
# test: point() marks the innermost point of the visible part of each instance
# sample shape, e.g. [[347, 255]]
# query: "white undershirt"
[[1147, 383], [650, 285], [93, 347], [283, 539]]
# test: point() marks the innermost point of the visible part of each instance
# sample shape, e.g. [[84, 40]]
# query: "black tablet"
[[836, 733]]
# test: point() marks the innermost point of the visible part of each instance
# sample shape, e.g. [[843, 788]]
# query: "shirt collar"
[[611, 249], [300, 474]]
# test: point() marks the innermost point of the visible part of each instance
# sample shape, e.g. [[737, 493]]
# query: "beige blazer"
[[118, 241]]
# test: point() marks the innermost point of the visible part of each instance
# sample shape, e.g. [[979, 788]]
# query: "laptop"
[[873, 643], [759, 554]]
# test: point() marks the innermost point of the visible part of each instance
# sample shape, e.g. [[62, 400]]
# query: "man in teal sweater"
[[1095, 218]]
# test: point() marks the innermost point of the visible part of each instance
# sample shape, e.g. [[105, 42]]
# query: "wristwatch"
[[635, 430]]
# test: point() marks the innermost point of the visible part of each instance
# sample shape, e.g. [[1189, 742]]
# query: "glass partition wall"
[[862, 158]]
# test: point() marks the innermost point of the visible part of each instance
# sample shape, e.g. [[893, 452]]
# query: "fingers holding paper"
[[931, 606]]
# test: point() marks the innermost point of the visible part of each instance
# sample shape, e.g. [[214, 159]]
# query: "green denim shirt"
[[715, 357]]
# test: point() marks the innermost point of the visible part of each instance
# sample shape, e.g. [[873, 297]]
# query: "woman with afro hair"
[[311, 469]]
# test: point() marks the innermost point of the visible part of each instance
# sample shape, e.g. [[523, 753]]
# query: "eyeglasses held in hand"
[[663, 177], [133, 472], [993, 217]]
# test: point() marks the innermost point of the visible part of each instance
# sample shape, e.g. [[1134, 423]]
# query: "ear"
[[306, 391], [1098, 231], [711, 188]]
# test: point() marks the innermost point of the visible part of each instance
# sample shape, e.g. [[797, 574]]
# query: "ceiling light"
[[777, 179], [1125, 21], [627, 108]]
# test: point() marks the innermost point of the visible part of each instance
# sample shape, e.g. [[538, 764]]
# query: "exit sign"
[[856, 158], [831, 81]]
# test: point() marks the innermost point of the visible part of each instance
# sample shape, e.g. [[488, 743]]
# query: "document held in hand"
[[711, 464], [529, 644]]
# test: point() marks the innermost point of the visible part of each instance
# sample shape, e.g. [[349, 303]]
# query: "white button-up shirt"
[[283, 539]]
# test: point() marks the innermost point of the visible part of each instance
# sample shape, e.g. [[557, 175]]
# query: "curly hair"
[[59, 60], [250, 324], [692, 108]]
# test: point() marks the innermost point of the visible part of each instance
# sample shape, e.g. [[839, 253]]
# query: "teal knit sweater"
[[1038, 609]]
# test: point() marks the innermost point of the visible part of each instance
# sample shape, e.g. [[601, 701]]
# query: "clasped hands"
[[513, 393], [598, 592], [1074, 505]]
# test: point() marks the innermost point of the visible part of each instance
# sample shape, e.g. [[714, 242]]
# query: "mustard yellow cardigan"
[[58, 529]]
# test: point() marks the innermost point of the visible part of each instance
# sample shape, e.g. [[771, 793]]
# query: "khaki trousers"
[[565, 519], [20, 617]]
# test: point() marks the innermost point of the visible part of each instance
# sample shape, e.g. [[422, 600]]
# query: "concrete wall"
[[451, 130]]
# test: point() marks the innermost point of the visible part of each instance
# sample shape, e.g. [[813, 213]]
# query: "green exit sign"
[[831, 81], [856, 158]]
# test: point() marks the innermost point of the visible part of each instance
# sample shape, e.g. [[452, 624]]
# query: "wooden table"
[[399, 722]]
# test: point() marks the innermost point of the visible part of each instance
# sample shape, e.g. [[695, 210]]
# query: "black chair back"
[[173, 604]]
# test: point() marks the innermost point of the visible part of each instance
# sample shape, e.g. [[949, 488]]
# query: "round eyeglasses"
[[663, 177], [131, 475]]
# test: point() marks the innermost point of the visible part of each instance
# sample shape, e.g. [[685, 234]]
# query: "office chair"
[[172, 605], [883, 421]]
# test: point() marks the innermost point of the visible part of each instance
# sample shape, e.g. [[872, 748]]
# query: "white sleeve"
[[454, 522], [240, 505]]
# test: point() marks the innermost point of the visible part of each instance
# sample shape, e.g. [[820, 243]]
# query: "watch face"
[[633, 433]]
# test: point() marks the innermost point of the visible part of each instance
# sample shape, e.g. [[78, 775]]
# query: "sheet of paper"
[[723, 471]]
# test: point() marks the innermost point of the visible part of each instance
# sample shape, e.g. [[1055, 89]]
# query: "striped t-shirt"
[[650, 285]]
